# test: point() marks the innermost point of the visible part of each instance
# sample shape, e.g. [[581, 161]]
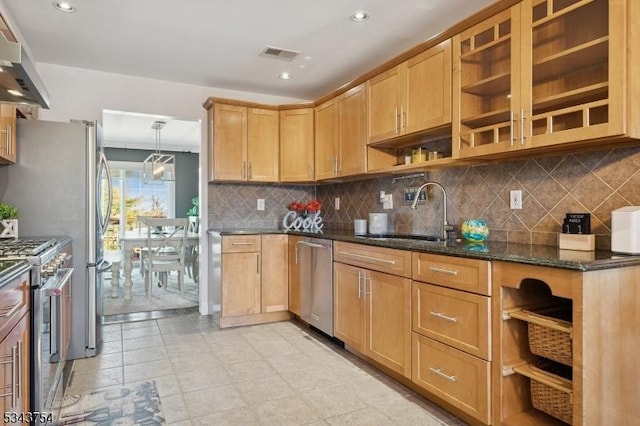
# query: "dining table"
[[138, 238]]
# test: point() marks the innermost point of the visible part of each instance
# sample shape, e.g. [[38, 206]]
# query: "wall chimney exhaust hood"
[[19, 82]]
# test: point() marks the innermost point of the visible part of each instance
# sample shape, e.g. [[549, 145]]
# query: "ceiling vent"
[[279, 53]]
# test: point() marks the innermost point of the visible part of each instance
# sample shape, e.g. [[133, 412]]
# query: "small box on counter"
[[581, 242]]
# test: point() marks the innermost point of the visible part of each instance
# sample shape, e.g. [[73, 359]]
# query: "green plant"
[[195, 210], [7, 211]]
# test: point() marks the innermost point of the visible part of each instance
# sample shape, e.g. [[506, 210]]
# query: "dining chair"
[[192, 252], [166, 240]]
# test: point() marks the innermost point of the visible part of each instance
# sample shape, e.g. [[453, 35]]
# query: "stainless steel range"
[[50, 314]]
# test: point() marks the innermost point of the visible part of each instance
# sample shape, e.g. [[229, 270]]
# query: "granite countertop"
[[509, 252], [10, 269]]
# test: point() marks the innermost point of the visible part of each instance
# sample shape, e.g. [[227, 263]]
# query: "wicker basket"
[[550, 332], [549, 399]]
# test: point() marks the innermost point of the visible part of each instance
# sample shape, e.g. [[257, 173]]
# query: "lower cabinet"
[[372, 315], [254, 282], [455, 376], [294, 276]]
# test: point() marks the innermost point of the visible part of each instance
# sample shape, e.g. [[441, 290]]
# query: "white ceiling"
[[217, 43]]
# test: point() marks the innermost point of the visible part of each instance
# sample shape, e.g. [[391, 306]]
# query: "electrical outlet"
[[515, 197], [410, 195], [337, 203], [260, 204], [387, 203]]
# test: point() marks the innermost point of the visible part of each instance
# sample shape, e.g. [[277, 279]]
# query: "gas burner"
[[23, 247]]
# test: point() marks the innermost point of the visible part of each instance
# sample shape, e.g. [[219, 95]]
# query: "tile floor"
[[272, 374]]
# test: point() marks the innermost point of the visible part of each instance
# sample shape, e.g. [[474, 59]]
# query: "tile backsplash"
[[592, 182]]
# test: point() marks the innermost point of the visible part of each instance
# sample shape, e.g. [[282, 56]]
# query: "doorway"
[[130, 139]]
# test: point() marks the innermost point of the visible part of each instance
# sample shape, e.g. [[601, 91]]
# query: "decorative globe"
[[475, 230]]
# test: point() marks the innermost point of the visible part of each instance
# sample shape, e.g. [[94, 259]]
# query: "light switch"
[[260, 204], [337, 203]]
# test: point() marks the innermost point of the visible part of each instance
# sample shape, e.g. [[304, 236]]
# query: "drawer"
[[14, 303], [456, 377], [455, 272], [241, 243], [390, 261], [457, 318]]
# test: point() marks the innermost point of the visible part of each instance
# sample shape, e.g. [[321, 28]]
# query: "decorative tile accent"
[[594, 182]]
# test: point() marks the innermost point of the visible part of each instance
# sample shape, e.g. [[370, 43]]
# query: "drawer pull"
[[241, 244], [442, 374], [375, 259], [442, 270], [443, 316]]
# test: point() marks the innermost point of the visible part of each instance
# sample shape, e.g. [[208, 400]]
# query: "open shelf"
[[570, 98], [487, 118], [487, 51], [587, 54], [562, 12], [496, 84]]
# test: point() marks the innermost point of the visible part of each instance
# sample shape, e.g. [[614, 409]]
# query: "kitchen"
[[593, 181]]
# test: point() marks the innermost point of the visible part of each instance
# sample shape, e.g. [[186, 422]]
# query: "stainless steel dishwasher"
[[314, 257]]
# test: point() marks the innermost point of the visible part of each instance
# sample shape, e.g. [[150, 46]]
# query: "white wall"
[[77, 93]]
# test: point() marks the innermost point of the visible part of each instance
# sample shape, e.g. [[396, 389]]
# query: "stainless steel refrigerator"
[[62, 186]]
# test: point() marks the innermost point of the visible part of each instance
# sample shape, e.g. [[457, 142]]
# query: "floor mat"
[[137, 405]]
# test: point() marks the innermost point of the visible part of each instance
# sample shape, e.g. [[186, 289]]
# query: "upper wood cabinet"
[[545, 72], [7, 133], [411, 97], [340, 135], [296, 145], [245, 143]]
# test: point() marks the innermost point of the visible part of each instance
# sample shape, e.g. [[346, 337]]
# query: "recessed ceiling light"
[[360, 16], [15, 92], [64, 6], [285, 76]]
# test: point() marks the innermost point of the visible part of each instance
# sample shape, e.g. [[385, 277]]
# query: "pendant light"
[[159, 167]]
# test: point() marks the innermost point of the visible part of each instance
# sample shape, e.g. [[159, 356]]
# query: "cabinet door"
[[348, 305], [327, 140], [14, 368], [388, 321], [275, 284], [486, 83], [294, 276], [384, 101], [428, 89], [229, 142], [7, 133], [263, 143], [352, 131], [575, 48], [241, 284], [296, 145]]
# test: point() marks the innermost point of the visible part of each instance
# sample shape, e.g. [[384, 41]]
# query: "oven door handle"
[[61, 282]]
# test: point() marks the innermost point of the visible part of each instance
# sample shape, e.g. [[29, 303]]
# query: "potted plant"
[[8, 221], [193, 213]]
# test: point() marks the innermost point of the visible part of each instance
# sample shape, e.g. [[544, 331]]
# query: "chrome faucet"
[[445, 224]]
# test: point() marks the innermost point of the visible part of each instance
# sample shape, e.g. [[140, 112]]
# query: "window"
[[132, 197]]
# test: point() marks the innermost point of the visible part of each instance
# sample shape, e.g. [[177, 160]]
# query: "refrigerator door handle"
[[104, 165], [104, 266]]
